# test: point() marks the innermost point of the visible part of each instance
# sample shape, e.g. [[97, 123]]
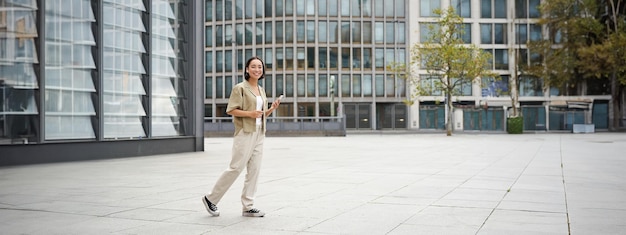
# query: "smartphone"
[[281, 97]]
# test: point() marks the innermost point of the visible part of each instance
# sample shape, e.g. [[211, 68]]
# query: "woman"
[[247, 106]]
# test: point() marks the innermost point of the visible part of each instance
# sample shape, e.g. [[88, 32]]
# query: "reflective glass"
[[345, 85], [380, 58], [322, 8], [322, 32], [259, 8], [485, 8], [300, 58], [167, 84], [248, 7], [332, 8], [462, 7], [269, 59], [379, 32], [390, 85], [279, 32], [279, 85], [535, 32], [310, 85], [310, 31], [345, 58], [289, 85], [310, 57], [70, 64], [367, 7], [400, 8], [259, 33], [427, 7], [500, 34], [521, 34], [219, 10], [310, 7], [208, 62], [389, 7], [401, 32], [380, 85], [18, 81], [356, 85], [268, 8], [279, 7], [238, 9], [248, 32], [333, 37], [501, 59], [379, 8], [367, 57], [500, 8], [367, 32], [356, 58], [356, 7], [268, 32], [323, 85], [356, 32], [485, 33], [390, 33], [208, 10], [228, 9], [334, 57], [533, 8], [289, 7], [323, 61], [300, 31], [289, 58], [300, 83], [345, 7], [300, 7], [367, 85]]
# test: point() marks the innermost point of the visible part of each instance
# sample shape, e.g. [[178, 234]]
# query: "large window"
[[428, 6], [18, 80], [167, 82], [462, 7], [493, 8], [70, 64]]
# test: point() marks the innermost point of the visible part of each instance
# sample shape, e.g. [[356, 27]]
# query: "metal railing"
[[282, 126]]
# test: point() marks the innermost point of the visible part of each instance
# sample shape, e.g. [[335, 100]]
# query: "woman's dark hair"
[[246, 75]]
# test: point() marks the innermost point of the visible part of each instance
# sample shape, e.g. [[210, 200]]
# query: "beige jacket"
[[243, 98]]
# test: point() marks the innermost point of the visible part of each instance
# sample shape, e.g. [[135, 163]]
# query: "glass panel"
[[323, 32], [301, 86], [219, 10], [268, 8], [380, 58], [530, 86], [400, 8], [533, 8], [300, 58], [485, 34], [332, 32], [228, 9], [310, 85], [208, 9], [334, 57], [18, 81], [356, 32], [248, 7], [310, 7], [501, 59], [356, 85], [367, 85], [390, 85], [300, 7], [500, 8], [389, 7], [289, 29], [390, 33], [279, 85], [500, 34], [259, 8], [70, 64], [248, 33], [323, 60], [268, 32], [367, 58], [535, 32], [279, 7], [310, 29], [345, 85], [380, 85], [379, 8], [462, 8], [401, 33], [269, 59], [289, 8], [310, 57], [427, 7], [356, 58], [300, 31], [333, 9], [345, 7], [367, 7], [379, 32], [520, 9], [289, 58], [289, 85], [322, 8], [167, 83], [279, 32], [485, 8], [521, 33], [259, 33], [238, 9], [345, 58], [323, 85], [356, 7]]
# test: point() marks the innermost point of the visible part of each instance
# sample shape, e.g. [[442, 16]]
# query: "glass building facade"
[[503, 28], [317, 50], [105, 74]]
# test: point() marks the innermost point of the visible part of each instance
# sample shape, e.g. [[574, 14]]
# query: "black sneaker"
[[253, 213], [210, 207]]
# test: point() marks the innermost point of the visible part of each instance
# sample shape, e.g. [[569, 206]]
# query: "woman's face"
[[255, 69]]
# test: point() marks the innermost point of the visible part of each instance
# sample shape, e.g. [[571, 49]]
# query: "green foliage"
[[515, 125]]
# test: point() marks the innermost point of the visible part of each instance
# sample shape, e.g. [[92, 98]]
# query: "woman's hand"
[[256, 114]]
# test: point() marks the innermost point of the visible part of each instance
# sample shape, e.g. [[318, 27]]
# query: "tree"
[[448, 59], [593, 46]]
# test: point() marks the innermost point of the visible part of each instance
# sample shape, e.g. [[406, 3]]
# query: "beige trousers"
[[247, 153]]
